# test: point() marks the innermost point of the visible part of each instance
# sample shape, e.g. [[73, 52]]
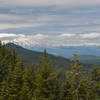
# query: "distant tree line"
[[24, 83]]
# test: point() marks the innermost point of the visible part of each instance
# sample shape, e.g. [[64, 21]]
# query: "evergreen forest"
[[18, 82]]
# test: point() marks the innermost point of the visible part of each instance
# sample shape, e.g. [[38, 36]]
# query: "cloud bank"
[[41, 40], [38, 3], [58, 22]]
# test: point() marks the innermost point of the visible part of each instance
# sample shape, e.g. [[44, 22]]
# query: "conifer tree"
[[19, 83], [14, 58], [11, 87], [47, 82], [80, 87], [4, 62], [95, 77], [29, 84], [65, 92]]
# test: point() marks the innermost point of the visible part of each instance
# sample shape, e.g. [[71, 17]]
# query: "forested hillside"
[[18, 82], [30, 57]]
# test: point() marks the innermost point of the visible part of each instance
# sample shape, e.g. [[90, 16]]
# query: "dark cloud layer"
[[51, 18]]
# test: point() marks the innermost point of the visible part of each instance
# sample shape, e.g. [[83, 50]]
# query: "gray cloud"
[[66, 39], [60, 3], [58, 22]]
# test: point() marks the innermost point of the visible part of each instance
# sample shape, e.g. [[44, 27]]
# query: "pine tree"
[[65, 92], [95, 77], [29, 84], [47, 82], [19, 83], [4, 62], [80, 84], [11, 87]]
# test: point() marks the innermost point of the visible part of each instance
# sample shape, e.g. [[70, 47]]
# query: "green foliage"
[[29, 84], [47, 82], [65, 93], [95, 77], [79, 86], [11, 87], [31, 57], [18, 82]]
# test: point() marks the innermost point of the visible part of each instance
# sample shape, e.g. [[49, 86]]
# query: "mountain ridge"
[[84, 58], [30, 57]]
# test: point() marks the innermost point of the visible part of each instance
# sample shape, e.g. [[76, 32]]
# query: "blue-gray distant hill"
[[89, 59], [31, 57], [68, 51]]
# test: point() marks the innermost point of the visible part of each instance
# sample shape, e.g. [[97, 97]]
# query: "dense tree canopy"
[[18, 82]]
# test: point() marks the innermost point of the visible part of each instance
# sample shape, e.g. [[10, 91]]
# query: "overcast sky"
[[52, 23]]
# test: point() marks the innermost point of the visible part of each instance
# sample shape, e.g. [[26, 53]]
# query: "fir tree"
[[65, 92], [11, 87], [78, 81], [95, 77], [29, 84], [47, 82]]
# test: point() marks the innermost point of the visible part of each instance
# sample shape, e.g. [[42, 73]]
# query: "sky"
[[50, 23]]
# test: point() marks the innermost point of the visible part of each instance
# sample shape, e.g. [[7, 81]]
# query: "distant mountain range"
[[89, 59], [68, 51], [90, 54], [87, 55], [31, 57]]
